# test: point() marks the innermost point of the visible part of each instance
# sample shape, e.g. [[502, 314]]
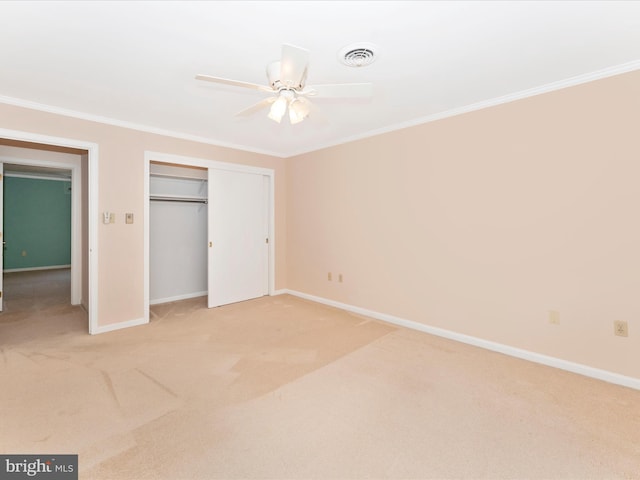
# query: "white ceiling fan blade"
[[257, 107], [293, 66], [339, 90], [316, 116], [235, 83]]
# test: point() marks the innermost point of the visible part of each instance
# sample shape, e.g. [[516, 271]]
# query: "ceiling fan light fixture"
[[278, 109], [298, 111], [287, 84]]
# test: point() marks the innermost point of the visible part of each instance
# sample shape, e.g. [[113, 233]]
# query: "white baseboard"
[[117, 326], [32, 269], [282, 291], [177, 297], [578, 368]]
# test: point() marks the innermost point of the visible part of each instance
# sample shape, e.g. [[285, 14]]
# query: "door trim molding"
[[76, 206], [150, 156], [92, 213]]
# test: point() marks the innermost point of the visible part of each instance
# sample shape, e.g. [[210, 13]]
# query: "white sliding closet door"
[[238, 231]]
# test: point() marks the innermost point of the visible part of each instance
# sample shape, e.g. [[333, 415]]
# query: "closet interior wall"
[[177, 232]]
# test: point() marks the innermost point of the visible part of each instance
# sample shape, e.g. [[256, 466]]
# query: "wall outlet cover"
[[620, 328]]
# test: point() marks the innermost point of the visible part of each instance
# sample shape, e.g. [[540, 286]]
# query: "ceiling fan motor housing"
[[273, 75]]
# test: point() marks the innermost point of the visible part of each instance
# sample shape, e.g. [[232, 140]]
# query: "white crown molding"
[[38, 176], [585, 370], [550, 87], [531, 92], [19, 102]]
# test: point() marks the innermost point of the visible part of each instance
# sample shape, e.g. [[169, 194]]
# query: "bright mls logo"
[[49, 467]]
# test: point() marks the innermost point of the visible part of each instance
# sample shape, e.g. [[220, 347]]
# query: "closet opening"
[[177, 232], [208, 231]]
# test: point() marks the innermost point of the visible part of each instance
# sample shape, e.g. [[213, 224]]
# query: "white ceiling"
[[133, 63]]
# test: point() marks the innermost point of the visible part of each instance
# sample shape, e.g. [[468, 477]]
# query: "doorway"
[[37, 232], [35, 152]]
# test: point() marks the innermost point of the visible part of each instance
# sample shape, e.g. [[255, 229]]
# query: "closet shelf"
[[177, 198], [179, 177]]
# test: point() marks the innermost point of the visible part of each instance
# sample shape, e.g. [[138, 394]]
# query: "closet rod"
[[179, 177], [177, 199]]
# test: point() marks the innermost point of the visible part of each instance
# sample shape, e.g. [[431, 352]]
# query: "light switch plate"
[[128, 218]]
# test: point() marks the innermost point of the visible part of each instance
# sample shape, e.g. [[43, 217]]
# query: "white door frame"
[[76, 249], [150, 156], [76, 252], [1, 236]]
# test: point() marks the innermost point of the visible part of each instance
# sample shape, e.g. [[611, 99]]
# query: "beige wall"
[[479, 224], [482, 223], [121, 172]]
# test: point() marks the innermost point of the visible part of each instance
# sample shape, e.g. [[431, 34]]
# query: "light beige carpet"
[[282, 388]]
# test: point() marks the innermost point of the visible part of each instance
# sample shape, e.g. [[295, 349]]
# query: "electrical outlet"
[[554, 317], [340, 277], [128, 218], [620, 328], [329, 276]]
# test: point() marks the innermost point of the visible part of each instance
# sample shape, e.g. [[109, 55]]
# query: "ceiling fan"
[[287, 79]]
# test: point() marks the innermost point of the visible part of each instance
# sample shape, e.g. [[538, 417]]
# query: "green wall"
[[37, 222]]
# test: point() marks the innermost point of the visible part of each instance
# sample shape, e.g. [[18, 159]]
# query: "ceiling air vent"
[[358, 55]]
